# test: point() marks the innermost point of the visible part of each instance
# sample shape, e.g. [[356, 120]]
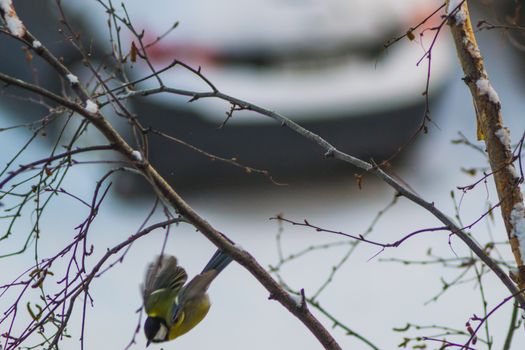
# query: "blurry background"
[[369, 295]]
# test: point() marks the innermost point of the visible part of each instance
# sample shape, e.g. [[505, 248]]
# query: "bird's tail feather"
[[218, 261]]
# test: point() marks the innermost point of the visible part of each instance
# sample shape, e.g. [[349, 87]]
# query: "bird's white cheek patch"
[[162, 333]]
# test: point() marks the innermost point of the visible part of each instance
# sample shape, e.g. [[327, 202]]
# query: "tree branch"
[[331, 151], [492, 131], [169, 195]]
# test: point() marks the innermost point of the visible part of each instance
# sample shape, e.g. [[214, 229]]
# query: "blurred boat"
[[321, 63]]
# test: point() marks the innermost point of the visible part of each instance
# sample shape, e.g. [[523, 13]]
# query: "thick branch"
[[331, 151], [491, 129], [172, 197]]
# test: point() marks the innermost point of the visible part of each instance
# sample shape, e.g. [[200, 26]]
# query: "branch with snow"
[[137, 156], [485, 88], [12, 21], [73, 79], [164, 190], [91, 106], [517, 219], [491, 129], [454, 9]]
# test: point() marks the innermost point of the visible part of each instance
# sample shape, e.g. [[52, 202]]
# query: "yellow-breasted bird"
[[172, 307]]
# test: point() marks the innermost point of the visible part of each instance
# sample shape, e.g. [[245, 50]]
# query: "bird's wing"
[[198, 286], [193, 293], [163, 273]]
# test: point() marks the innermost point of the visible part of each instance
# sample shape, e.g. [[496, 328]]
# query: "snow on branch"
[[13, 23], [491, 129], [485, 88], [454, 10], [91, 106], [517, 219]]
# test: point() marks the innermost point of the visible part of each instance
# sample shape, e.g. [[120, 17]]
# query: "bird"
[[173, 307]]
